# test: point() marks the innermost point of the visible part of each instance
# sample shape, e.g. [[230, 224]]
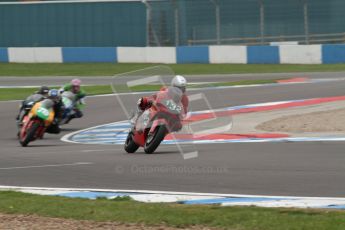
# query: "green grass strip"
[[109, 69], [16, 93], [178, 215]]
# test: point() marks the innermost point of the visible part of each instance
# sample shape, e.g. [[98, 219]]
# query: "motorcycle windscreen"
[[129, 87], [47, 103], [169, 101]]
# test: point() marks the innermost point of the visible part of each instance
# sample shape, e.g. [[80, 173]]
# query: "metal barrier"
[[267, 40]]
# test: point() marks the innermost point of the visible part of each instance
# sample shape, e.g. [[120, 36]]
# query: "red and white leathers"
[[146, 102]]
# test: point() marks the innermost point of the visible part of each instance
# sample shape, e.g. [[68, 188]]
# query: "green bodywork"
[[43, 113]]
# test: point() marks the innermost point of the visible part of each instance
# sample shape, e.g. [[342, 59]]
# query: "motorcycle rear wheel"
[[30, 134], [130, 145], [152, 143]]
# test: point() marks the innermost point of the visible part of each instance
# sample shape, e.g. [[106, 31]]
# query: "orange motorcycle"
[[36, 122]]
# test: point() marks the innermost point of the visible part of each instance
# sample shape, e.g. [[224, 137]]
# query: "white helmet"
[[179, 82]]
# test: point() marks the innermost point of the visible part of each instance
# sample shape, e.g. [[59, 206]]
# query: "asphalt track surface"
[[295, 169]]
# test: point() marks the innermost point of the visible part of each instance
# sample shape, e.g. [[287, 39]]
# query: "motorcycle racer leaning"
[[43, 94], [145, 103], [74, 87], [28, 103]]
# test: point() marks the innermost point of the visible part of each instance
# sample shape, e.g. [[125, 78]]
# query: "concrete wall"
[[283, 54]]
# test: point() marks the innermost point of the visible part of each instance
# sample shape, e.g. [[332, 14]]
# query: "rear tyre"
[[30, 134], [130, 145], [153, 141]]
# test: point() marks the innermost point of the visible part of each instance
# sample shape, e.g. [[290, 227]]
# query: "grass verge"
[[109, 69], [21, 93], [128, 211]]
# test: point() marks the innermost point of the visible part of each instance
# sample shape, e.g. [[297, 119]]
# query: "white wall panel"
[[34, 55], [161, 55], [146, 54], [228, 54], [48, 54], [300, 54], [131, 54]]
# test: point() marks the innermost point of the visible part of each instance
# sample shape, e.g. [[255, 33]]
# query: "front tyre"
[[130, 145], [153, 140], [28, 135]]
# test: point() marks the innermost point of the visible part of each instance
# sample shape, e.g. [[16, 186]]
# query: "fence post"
[[262, 21], [216, 4], [149, 26], [306, 22], [176, 21], [148, 21]]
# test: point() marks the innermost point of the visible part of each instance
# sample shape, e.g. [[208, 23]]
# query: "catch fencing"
[[112, 23]]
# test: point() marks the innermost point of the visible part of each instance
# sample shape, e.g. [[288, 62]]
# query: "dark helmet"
[[43, 90], [54, 95]]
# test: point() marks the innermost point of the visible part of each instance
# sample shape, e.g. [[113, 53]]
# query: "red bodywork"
[[158, 114], [27, 123]]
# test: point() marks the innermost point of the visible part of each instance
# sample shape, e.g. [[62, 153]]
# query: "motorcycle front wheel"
[[28, 135], [153, 140], [130, 145]]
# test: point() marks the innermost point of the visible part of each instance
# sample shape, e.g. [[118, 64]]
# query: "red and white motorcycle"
[[163, 117]]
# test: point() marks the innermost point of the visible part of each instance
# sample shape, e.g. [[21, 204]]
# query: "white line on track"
[[47, 166]]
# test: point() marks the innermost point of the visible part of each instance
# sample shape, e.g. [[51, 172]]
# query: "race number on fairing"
[[43, 111], [171, 105]]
